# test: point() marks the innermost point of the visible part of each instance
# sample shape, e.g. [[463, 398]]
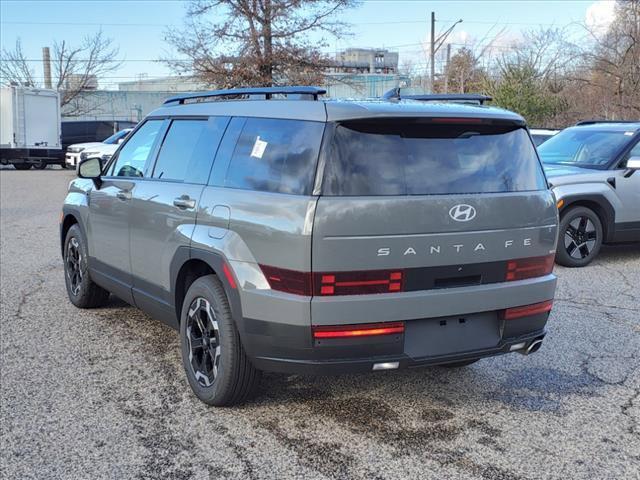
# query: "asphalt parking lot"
[[102, 393]]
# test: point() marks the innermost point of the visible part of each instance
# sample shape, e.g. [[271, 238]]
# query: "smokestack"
[[46, 65]]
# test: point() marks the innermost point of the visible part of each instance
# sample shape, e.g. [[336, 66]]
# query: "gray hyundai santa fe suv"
[[281, 232]]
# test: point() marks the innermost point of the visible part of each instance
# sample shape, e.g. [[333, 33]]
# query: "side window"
[[134, 154], [188, 150], [276, 156], [634, 152]]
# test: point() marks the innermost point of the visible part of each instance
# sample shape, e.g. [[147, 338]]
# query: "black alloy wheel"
[[73, 261], [580, 237], [203, 337], [81, 289], [217, 368]]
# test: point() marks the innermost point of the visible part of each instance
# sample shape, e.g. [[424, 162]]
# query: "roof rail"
[[593, 122], [473, 98], [267, 92]]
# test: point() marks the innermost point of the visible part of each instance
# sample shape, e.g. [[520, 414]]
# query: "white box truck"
[[29, 127]]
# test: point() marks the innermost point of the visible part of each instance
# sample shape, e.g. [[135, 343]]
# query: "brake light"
[[529, 267], [364, 330], [527, 310], [290, 281], [359, 283], [464, 121]]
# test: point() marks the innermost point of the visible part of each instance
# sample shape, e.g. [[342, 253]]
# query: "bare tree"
[[610, 71], [75, 68], [230, 43], [14, 67]]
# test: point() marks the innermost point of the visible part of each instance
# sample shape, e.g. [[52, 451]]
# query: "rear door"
[[445, 204], [164, 208]]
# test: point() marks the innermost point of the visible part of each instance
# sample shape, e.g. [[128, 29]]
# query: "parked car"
[[592, 169], [297, 235], [88, 131], [541, 135], [104, 149]]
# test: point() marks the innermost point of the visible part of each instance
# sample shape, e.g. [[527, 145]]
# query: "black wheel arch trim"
[[67, 214], [216, 261], [604, 210]]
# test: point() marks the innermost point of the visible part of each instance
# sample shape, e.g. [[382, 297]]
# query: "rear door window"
[[414, 158], [188, 150], [275, 155]]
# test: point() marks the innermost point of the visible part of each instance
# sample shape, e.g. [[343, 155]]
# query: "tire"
[[460, 364], [21, 166], [222, 375], [40, 165], [580, 237], [81, 290]]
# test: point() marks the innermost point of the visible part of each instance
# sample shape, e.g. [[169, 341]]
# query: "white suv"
[[80, 151]]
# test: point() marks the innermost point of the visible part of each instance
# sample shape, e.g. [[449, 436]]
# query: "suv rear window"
[[417, 158], [276, 156]]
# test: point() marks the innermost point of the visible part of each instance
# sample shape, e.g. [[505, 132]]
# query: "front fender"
[[599, 196]]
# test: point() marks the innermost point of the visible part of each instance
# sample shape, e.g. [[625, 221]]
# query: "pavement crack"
[[32, 290], [625, 409]]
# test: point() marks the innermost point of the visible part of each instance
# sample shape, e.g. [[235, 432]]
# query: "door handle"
[[184, 202], [124, 195]]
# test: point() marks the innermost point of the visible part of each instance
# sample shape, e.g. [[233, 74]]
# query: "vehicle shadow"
[[619, 252]]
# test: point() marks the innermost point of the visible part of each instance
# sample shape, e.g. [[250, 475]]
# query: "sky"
[[137, 27]]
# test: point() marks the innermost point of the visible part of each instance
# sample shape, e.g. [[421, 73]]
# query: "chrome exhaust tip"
[[533, 347]]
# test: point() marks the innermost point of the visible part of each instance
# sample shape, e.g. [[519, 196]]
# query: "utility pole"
[[436, 43], [446, 72], [433, 52], [46, 67]]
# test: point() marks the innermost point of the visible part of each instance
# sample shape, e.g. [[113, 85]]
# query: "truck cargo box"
[[29, 118]]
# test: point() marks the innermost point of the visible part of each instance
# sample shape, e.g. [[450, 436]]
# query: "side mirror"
[[120, 140], [633, 164], [91, 168]]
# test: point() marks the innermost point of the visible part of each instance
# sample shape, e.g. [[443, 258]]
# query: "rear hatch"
[[411, 205]]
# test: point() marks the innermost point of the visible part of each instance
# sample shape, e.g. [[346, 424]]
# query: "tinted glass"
[[634, 152], [413, 158], [178, 148], [539, 139], [102, 130], [276, 156], [583, 147], [134, 154], [116, 136]]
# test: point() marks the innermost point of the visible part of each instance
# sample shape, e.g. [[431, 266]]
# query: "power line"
[[91, 24]]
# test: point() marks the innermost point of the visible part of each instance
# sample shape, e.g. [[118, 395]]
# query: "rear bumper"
[[428, 341], [276, 328], [366, 364]]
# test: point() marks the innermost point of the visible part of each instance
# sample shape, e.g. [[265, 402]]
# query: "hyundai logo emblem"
[[462, 212]]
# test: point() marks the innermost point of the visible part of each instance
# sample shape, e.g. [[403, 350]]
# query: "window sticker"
[[258, 148], [629, 134]]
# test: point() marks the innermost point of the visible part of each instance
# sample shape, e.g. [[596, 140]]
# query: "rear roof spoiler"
[[470, 98]]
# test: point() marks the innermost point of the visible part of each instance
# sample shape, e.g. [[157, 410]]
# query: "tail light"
[[529, 267], [290, 281], [358, 283], [363, 330], [338, 283], [527, 310]]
